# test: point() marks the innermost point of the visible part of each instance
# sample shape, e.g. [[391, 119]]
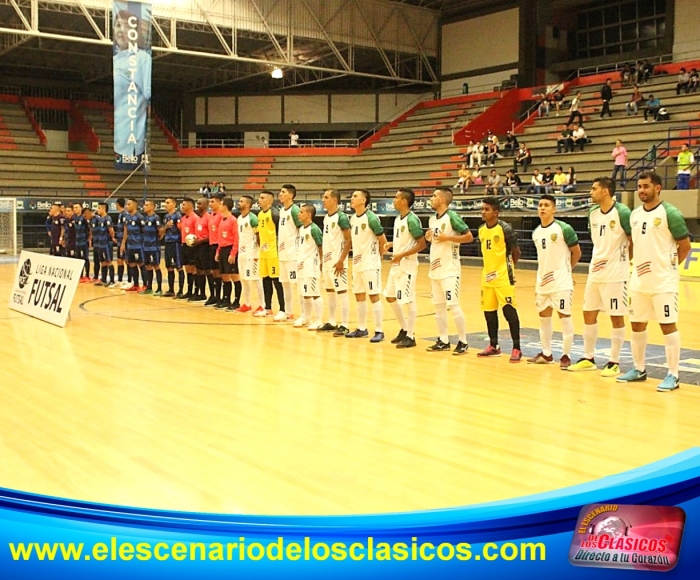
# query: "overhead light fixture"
[[277, 73]]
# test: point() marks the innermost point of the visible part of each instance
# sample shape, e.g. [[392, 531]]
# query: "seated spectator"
[[511, 145], [685, 162], [683, 81], [512, 183], [222, 188], [464, 178], [636, 98], [559, 180], [694, 80], [626, 75], [557, 100], [205, 190], [548, 179], [653, 106], [535, 182], [492, 153], [477, 155], [579, 137], [214, 187], [468, 154], [570, 181], [565, 140], [646, 71], [543, 107], [477, 179], [493, 183], [523, 157]]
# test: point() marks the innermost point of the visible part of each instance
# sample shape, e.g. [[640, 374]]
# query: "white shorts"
[[310, 287], [445, 290], [333, 282], [401, 285], [367, 282], [249, 269], [559, 301], [608, 297], [288, 271], [662, 308]]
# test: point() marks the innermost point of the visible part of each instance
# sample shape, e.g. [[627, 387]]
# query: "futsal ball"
[[190, 239]]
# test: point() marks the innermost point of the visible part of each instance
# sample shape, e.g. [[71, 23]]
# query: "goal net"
[[8, 225]]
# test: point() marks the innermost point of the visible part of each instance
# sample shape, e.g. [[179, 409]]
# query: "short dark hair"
[[334, 193], [249, 199], [121, 201], [228, 202], [310, 208], [170, 197], [267, 192], [446, 193], [188, 200], [606, 183], [102, 204], [655, 178], [366, 194], [82, 211], [408, 195], [493, 202], [134, 200], [548, 197], [291, 189], [218, 196]]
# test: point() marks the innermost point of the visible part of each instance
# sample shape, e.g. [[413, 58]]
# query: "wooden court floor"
[[147, 401]]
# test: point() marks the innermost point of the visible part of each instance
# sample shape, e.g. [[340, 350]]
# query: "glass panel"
[[629, 32], [595, 38], [647, 29], [612, 15], [595, 18], [647, 44], [612, 35], [645, 8]]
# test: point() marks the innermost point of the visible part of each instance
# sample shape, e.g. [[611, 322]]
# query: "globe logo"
[[611, 526], [24, 273]]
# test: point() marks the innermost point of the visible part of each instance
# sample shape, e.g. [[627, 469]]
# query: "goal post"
[[8, 225]]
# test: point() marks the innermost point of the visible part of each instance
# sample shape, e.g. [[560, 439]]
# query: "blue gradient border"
[[549, 518]]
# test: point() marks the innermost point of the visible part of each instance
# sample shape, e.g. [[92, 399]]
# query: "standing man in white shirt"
[[288, 247]]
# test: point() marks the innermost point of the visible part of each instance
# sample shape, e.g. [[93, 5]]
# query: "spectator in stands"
[[694, 80], [559, 180], [685, 162], [548, 180], [476, 178], [511, 145], [606, 95], [205, 190], [293, 139], [492, 153], [570, 181], [683, 81], [626, 75], [619, 155], [493, 183], [565, 140], [214, 187], [574, 109], [468, 154], [222, 188], [535, 182], [524, 158], [557, 100], [653, 107], [464, 177], [636, 98], [543, 106], [512, 183], [579, 137], [646, 70], [477, 154]]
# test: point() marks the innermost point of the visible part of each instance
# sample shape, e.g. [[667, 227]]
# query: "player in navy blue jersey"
[[119, 230], [132, 244], [173, 245], [93, 223], [102, 240], [54, 228], [69, 237], [152, 233], [81, 238]]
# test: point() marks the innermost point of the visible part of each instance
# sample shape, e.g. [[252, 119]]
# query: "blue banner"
[[131, 23], [525, 537]]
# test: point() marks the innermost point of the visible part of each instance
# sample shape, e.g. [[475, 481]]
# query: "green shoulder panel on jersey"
[[624, 212], [457, 222], [414, 226], [590, 211], [374, 223], [509, 235], [570, 236], [316, 234], [343, 221], [253, 220], [676, 222], [295, 216]]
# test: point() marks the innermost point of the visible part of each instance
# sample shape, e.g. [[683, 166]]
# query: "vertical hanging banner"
[[131, 22]]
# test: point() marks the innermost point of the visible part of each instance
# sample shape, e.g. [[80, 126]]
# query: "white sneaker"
[[280, 317], [127, 285], [301, 321], [113, 286], [314, 326], [260, 313]]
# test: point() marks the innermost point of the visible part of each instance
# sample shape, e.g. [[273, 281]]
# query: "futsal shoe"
[[280, 317], [439, 346], [112, 286], [211, 302], [399, 337], [378, 337], [565, 362], [668, 384], [489, 351], [158, 293], [133, 289], [516, 356], [127, 285], [169, 294], [182, 296], [407, 342], [301, 322], [230, 308], [632, 376], [327, 327], [611, 370], [243, 309], [541, 359], [341, 331], [221, 305], [358, 334], [146, 291], [260, 312], [460, 348], [100, 283], [583, 364], [314, 326]]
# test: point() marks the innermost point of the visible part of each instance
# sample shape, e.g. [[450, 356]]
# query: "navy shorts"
[[151, 257], [173, 259], [104, 253], [134, 255], [81, 252]]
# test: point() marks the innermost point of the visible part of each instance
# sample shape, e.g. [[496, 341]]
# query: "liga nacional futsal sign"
[[44, 286]]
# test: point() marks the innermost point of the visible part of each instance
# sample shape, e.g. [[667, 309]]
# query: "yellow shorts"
[[269, 266], [495, 298]]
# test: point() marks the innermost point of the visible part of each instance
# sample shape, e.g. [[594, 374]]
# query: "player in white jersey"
[[557, 254], [249, 258], [287, 247], [309, 269], [661, 242], [446, 231], [337, 243], [606, 286], [401, 286], [368, 242]]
